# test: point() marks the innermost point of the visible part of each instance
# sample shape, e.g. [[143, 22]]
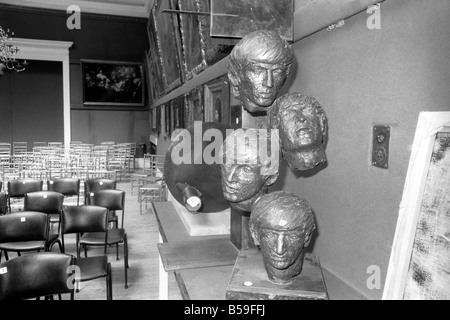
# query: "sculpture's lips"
[[304, 129], [264, 95], [230, 189]]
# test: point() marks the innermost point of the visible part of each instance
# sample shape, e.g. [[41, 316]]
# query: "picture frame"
[[194, 101], [154, 59], [113, 83], [236, 116], [169, 48], [168, 119], [158, 120], [194, 60], [236, 18], [214, 52], [217, 101], [178, 110], [423, 223]]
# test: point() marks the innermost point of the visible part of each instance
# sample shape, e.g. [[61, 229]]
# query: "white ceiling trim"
[[86, 6]]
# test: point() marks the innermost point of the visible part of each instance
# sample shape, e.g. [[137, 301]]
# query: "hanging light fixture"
[[8, 52]]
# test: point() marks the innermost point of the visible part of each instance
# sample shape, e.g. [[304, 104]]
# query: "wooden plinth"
[[249, 269]]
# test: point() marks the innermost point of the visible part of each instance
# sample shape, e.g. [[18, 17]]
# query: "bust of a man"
[[303, 129], [259, 66], [250, 165], [282, 225]]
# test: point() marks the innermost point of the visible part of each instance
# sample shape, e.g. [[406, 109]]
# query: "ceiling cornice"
[[86, 7]]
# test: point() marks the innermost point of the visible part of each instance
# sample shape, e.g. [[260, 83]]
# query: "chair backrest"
[[94, 185], [20, 187], [66, 186], [44, 201], [81, 219], [112, 199], [37, 275], [3, 206], [24, 226], [84, 218]]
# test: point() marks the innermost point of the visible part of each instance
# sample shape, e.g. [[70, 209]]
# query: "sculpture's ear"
[[253, 234], [272, 179], [307, 240]]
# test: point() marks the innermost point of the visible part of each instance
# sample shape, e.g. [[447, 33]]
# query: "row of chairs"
[[83, 220], [88, 223]]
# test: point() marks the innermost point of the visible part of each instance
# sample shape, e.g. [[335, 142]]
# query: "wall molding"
[[86, 7], [46, 50]]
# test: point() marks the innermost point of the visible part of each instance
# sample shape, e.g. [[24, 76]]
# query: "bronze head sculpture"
[[303, 129], [282, 225], [259, 66], [247, 169]]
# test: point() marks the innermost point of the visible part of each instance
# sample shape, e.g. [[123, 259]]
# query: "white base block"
[[202, 224]]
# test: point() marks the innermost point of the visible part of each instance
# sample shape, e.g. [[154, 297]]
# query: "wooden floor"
[[143, 274]]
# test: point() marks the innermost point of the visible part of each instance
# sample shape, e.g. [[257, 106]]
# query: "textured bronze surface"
[[259, 66], [282, 224], [243, 170], [303, 128]]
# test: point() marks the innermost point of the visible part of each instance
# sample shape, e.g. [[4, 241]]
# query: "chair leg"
[[6, 255], [126, 266], [117, 251], [109, 295]]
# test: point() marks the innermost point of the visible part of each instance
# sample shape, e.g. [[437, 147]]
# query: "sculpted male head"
[[250, 165], [282, 225], [259, 66], [303, 128]]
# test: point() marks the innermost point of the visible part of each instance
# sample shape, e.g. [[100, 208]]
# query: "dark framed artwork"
[[178, 110], [193, 45], [155, 66], [217, 101], [113, 83], [194, 106], [214, 52], [158, 119], [168, 119], [169, 40], [236, 116], [237, 18]]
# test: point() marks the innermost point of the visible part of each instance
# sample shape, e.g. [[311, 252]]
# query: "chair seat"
[[98, 238], [92, 267], [23, 246]]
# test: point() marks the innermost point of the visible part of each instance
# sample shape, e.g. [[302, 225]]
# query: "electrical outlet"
[[380, 146]]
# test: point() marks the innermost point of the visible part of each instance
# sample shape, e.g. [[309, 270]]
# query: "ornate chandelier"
[[8, 52]]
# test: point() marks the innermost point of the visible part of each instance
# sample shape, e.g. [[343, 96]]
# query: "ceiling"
[[129, 8]]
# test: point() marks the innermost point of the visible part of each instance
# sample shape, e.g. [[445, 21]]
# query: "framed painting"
[[214, 52], [420, 256], [178, 109], [236, 116], [194, 106], [168, 119], [158, 119], [217, 101], [170, 51], [237, 18], [113, 83], [154, 59], [193, 45]]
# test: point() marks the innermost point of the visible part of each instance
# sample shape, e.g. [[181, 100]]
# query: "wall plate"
[[380, 146]]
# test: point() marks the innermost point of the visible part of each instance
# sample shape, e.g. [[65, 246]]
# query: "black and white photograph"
[[233, 158]]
